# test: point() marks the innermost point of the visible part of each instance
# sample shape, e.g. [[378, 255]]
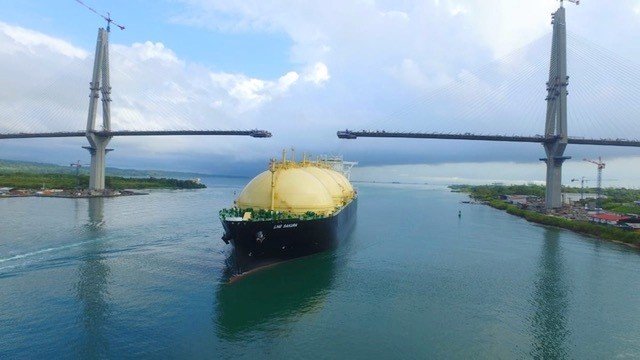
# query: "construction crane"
[[600, 164], [582, 181], [106, 17], [77, 165]]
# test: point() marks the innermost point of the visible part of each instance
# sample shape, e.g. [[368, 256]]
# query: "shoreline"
[[557, 222], [25, 183], [68, 196]]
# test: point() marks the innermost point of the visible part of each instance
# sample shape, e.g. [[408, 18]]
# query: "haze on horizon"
[[302, 71]]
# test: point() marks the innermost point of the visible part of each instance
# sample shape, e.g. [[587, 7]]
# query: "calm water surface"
[[145, 277]]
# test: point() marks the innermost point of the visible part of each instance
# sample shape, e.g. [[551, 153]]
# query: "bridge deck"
[[347, 134], [252, 133]]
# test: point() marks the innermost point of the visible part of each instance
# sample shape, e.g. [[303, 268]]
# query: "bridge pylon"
[[556, 137], [98, 143]]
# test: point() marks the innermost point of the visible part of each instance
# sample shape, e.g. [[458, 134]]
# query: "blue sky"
[[305, 69], [151, 20]]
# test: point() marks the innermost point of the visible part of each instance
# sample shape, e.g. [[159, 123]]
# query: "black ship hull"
[[290, 238]]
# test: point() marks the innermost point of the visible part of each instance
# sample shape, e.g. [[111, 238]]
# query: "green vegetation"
[[489, 192], [626, 208], [27, 180], [583, 227], [114, 182], [261, 215], [619, 200], [11, 166]]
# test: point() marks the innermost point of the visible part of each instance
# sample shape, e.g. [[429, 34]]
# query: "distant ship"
[[292, 209]]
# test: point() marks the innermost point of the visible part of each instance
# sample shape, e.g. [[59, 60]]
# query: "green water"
[[145, 277]]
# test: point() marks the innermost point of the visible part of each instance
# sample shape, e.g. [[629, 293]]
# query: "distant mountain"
[[12, 166]]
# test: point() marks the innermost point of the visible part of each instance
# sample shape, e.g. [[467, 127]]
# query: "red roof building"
[[611, 219]]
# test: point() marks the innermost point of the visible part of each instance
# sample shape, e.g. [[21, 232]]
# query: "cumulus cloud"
[[25, 40], [249, 93], [150, 50]]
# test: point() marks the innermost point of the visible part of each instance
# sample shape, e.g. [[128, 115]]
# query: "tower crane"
[[582, 181], [600, 164], [106, 17], [77, 165]]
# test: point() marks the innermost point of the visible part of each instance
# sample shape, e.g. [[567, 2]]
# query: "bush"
[[606, 232]]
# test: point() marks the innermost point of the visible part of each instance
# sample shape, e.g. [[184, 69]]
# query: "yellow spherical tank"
[[345, 185], [335, 190], [286, 189]]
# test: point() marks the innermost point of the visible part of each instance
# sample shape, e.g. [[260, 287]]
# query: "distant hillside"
[[12, 166]]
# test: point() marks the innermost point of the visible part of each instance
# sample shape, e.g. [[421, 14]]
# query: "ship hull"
[[290, 238]]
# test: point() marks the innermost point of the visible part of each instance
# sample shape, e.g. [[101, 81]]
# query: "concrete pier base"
[[553, 194], [98, 151]]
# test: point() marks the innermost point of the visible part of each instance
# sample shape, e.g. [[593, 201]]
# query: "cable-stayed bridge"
[[99, 137], [599, 107], [62, 134], [539, 139]]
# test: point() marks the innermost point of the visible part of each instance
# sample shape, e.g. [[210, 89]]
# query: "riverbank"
[[603, 232], [490, 195], [71, 194], [30, 182]]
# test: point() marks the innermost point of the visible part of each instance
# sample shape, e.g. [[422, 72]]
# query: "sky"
[[304, 70]]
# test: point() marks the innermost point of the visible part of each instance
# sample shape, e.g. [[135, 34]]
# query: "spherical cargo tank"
[[291, 190], [334, 189]]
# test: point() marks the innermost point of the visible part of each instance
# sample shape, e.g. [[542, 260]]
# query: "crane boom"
[[106, 17]]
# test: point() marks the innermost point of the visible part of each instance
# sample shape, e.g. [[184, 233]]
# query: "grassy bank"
[[601, 231], [621, 199], [29, 181]]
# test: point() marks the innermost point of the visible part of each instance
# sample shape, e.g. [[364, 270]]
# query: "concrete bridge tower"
[[556, 121], [98, 143]]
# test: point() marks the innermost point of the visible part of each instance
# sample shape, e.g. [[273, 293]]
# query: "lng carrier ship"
[[292, 209]]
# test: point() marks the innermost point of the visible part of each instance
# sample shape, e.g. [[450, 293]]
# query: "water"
[[145, 277]]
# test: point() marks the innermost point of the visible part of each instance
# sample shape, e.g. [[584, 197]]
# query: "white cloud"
[[412, 73], [286, 80], [249, 93], [317, 74], [150, 50], [32, 41]]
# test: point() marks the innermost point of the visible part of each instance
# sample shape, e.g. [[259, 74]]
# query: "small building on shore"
[[515, 199], [529, 202], [609, 218], [633, 227]]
